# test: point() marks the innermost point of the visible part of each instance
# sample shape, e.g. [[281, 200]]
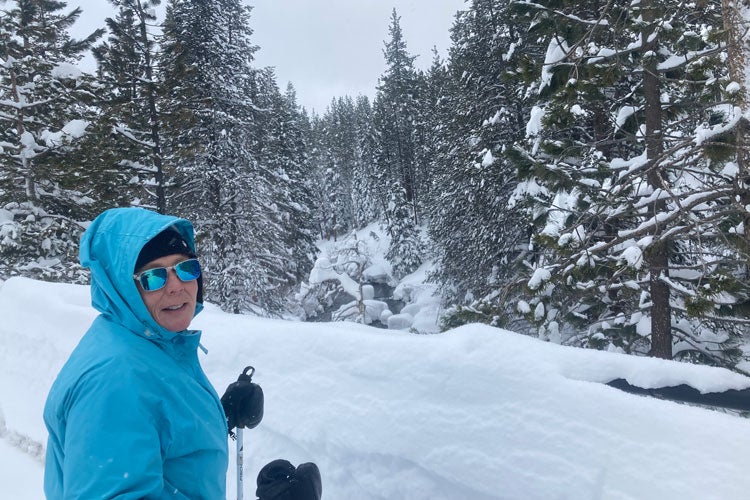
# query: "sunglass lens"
[[153, 279], [188, 270]]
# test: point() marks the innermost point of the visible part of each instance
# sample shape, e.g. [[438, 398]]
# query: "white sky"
[[327, 48], [474, 413]]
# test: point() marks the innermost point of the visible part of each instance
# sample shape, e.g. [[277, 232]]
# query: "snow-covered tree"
[[477, 237], [364, 189], [631, 181], [339, 169], [430, 128], [282, 199], [319, 158], [208, 87], [342, 150], [737, 25], [130, 126], [395, 113], [406, 251], [44, 112]]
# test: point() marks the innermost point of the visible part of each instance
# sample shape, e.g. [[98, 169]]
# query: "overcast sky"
[[327, 48]]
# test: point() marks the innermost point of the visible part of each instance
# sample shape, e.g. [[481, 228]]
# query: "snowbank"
[[475, 413]]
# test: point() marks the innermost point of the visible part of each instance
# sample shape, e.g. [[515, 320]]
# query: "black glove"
[[243, 402], [280, 480]]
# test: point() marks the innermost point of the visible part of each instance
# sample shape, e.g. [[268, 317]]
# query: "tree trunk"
[[26, 162], [154, 120], [661, 312], [658, 256]]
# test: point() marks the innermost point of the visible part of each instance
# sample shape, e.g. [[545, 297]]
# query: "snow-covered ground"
[[475, 413]]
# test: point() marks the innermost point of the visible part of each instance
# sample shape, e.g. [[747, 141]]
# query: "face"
[[172, 306]]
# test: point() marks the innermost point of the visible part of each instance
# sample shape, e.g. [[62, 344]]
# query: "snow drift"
[[475, 413]]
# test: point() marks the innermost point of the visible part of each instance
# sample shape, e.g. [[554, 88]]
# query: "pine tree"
[[285, 207], [406, 250], [208, 86], [631, 191], [342, 155], [477, 237], [43, 116], [319, 158], [735, 22], [395, 114], [430, 127], [364, 191], [340, 141], [130, 128], [300, 227]]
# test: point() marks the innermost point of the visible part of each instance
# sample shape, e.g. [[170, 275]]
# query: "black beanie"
[[168, 242]]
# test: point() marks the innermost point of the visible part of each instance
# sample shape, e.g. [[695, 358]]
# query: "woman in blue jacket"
[[131, 414]]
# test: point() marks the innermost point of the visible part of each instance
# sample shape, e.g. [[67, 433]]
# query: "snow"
[[75, 128], [705, 133], [534, 124], [676, 60], [474, 413], [24, 477], [367, 248], [577, 110], [323, 270], [67, 71], [557, 51], [488, 159], [422, 299], [623, 114], [538, 277], [563, 204], [633, 255]]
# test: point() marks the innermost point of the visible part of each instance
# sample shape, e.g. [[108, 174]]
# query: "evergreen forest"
[[575, 170]]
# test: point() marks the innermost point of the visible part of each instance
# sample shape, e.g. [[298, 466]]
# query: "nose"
[[174, 284]]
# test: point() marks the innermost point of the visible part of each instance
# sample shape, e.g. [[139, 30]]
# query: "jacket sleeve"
[[113, 445]]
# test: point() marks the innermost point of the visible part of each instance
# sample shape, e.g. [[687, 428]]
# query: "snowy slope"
[[475, 413]]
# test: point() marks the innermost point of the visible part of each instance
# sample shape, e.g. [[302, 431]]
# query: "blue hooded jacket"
[[132, 414]]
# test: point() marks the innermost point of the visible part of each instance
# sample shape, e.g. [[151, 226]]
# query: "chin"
[[177, 325]]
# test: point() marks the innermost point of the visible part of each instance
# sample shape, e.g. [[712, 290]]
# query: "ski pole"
[[240, 464]]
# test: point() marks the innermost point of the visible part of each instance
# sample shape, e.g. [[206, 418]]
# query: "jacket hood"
[[110, 248]]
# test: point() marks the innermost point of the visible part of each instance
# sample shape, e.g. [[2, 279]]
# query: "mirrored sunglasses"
[[156, 278]]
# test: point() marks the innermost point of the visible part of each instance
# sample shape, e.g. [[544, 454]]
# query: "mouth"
[[174, 308]]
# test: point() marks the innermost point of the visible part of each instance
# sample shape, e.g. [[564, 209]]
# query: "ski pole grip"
[[243, 402]]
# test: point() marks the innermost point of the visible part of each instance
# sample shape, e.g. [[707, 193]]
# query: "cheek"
[[151, 301], [147, 298], [192, 289]]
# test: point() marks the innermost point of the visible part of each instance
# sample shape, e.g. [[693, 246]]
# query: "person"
[[131, 413]]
